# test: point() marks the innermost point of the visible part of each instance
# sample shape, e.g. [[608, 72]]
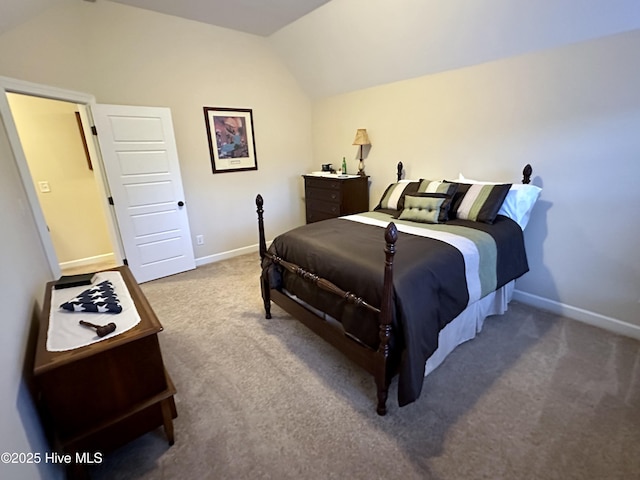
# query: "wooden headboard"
[[526, 173]]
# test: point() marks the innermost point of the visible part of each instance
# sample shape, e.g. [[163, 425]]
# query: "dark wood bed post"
[[383, 374], [262, 243], [526, 174], [400, 171]]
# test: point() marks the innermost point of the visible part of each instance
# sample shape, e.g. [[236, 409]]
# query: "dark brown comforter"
[[430, 286]]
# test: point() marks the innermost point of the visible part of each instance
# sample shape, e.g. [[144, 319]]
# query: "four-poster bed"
[[381, 286]]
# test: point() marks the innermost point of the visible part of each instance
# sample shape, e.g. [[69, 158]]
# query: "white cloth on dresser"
[[65, 331]]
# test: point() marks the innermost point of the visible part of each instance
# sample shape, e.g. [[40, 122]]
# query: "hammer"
[[101, 330]]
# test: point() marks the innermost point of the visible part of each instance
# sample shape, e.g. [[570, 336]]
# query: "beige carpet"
[[534, 396]]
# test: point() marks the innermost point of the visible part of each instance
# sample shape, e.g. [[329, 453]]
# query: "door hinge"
[[94, 130], [110, 199], [124, 260]]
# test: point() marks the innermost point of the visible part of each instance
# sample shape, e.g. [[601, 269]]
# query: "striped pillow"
[[482, 202], [430, 186], [393, 196]]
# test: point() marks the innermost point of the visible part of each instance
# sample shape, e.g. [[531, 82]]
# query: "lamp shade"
[[361, 137]]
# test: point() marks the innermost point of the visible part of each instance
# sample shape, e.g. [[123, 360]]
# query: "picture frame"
[[84, 141], [231, 140]]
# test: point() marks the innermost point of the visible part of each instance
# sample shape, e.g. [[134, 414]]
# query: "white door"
[[141, 164]]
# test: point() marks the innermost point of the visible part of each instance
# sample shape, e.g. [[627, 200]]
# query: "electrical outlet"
[[200, 239]]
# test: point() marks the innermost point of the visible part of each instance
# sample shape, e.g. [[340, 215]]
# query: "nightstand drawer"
[[323, 195]]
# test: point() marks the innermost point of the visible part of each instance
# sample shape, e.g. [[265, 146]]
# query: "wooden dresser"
[[101, 396], [334, 196]]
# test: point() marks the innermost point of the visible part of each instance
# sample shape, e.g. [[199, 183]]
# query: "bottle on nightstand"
[[344, 166]]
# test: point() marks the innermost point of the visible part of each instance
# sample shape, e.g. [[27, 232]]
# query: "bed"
[[398, 288]]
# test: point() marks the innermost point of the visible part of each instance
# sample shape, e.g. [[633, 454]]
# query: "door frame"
[[11, 85]]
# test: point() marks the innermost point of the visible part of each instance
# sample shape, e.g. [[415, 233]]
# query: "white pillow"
[[519, 202]]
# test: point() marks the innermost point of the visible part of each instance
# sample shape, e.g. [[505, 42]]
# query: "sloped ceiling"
[[348, 45], [338, 46], [260, 17]]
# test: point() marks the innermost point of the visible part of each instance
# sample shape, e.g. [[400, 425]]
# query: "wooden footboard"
[[376, 362]]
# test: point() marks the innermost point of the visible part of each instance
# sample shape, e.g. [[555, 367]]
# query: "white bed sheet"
[[469, 323]]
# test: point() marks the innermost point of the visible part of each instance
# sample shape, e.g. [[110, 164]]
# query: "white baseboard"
[[81, 262], [228, 254], [595, 319]]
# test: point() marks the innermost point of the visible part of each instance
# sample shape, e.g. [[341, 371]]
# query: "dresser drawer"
[[328, 183], [330, 197], [316, 216], [323, 194], [325, 207]]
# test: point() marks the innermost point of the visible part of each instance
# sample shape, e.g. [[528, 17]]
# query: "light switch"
[[44, 187]]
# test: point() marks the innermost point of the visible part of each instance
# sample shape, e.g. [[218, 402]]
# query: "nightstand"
[[330, 196]]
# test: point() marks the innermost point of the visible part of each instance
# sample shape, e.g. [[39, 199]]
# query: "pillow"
[[462, 179], [482, 202], [421, 209], [461, 190], [519, 202], [430, 186], [393, 196], [444, 208]]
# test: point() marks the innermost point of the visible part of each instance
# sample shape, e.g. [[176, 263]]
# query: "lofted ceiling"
[[260, 17], [337, 46]]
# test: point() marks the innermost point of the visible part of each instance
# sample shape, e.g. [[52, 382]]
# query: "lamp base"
[[361, 169]]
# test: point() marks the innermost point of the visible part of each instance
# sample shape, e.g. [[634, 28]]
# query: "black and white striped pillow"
[[482, 202], [393, 196]]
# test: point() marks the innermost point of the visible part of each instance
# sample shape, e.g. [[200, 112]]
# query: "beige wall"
[[124, 55], [129, 56], [572, 112], [23, 275], [52, 144]]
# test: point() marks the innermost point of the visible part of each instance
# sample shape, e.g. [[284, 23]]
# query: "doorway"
[[139, 183], [82, 100], [64, 180]]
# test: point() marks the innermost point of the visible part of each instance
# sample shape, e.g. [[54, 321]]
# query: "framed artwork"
[[84, 141], [231, 142]]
